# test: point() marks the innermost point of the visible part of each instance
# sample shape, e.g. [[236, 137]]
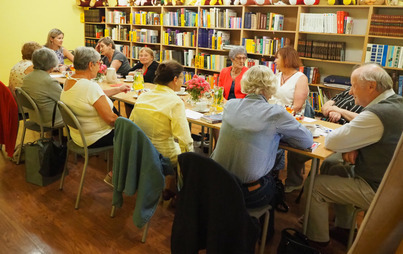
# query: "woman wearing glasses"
[[230, 77]]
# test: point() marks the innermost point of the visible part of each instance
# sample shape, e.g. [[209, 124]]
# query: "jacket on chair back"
[[8, 119], [137, 166], [211, 213]]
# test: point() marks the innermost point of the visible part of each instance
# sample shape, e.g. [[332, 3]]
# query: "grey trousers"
[[345, 193]]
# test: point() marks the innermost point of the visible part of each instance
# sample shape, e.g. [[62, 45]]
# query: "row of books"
[[96, 31], [267, 21], [327, 50], [125, 49], [91, 43], [93, 15], [136, 51], [145, 18], [182, 17], [218, 18], [211, 79], [186, 57], [116, 17], [384, 55], [265, 45], [144, 35], [317, 99], [118, 33], [312, 74], [211, 61], [326, 23], [213, 39], [179, 38], [386, 25]]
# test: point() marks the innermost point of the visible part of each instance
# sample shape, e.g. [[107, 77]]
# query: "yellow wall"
[[22, 21]]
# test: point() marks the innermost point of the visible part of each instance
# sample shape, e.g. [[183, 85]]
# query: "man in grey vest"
[[368, 142]]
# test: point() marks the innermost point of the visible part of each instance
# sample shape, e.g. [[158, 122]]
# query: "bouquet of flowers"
[[196, 87], [101, 73]]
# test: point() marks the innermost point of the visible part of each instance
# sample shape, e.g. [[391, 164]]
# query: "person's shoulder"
[[154, 64]]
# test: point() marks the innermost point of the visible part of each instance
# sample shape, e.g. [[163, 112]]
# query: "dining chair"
[[71, 121], [257, 213], [24, 102]]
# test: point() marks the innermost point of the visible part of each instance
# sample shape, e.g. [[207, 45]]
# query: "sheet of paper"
[[193, 114], [308, 120], [57, 75]]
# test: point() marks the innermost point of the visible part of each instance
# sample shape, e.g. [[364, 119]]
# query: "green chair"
[[70, 121]]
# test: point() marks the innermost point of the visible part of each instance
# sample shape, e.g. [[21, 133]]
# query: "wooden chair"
[[25, 102], [70, 121]]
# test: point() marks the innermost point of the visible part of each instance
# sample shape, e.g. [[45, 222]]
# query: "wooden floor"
[[37, 219]]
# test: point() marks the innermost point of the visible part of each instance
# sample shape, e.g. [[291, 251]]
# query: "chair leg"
[[113, 211], [107, 162], [264, 233], [145, 232], [64, 171], [21, 145], [80, 188], [352, 228]]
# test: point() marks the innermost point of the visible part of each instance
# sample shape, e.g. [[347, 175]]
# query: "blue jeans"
[[262, 195]]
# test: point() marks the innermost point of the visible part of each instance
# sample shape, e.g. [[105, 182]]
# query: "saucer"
[[206, 110], [179, 93], [128, 81]]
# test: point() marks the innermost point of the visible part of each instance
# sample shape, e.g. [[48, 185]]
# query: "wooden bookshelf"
[[355, 43]]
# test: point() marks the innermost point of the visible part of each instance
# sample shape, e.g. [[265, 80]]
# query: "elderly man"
[[368, 141]]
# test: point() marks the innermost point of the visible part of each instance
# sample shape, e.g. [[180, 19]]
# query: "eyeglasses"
[[241, 58]]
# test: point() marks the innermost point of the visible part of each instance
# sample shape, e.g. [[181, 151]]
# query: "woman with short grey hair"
[[89, 103], [230, 77], [43, 89], [253, 128]]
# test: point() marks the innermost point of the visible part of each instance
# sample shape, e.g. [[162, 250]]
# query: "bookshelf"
[[177, 34]]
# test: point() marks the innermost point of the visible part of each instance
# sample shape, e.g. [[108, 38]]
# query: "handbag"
[[294, 242]]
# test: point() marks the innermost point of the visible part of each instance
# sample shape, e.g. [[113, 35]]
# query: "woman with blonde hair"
[[55, 42], [147, 65], [250, 134]]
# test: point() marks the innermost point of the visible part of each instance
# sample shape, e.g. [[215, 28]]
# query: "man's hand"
[[350, 156], [334, 116]]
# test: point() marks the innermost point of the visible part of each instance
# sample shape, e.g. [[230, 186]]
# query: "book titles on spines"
[[265, 45], [326, 50], [340, 23], [213, 39], [144, 35], [180, 17], [219, 18], [177, 37], [384, 55], [266, 21], [145, 18], [386, 25]]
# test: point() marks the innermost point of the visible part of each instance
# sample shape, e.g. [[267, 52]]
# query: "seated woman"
[[43, 89], [55, 42], [293, 85], [250, 134], [160, 113], [230, 77], [89, 103], [112, 57], [23, 67], [147, 65]]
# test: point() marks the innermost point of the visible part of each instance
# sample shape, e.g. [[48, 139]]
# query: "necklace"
[[283, 80]]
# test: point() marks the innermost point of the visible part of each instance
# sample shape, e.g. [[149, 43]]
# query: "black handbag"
[[294, 242]]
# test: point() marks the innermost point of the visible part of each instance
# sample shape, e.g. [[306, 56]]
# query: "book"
[[217, 118]]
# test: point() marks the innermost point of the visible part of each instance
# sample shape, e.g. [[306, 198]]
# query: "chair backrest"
[[24, 101], [71, 121], [211, 212]]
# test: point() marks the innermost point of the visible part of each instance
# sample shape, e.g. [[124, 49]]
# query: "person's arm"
[[116, 64], [180, 127], [104, 110], [300, 93], [115, 90], [326, 107], [362, 131], [29, 69], [346, 114], [68, 54], [293, 133]]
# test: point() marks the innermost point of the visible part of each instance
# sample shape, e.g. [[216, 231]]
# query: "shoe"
[[340, 234], [108, 180], [289, 189], [322, 247]]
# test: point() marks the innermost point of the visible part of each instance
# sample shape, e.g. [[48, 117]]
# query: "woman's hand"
[[124, 88]]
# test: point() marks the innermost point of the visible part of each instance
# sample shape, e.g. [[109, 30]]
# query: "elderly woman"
[[23, 67], [161, 115], [293, 85], [230, 77], [55, 42], [43, 89], [147, 65], [89, 103], [112, 57], [253, 128]]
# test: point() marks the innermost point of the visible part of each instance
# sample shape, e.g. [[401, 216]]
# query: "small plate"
[[179, 93], [128, 81], [204, 110]]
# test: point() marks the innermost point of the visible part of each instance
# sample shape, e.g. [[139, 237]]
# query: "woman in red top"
[[230, 77]]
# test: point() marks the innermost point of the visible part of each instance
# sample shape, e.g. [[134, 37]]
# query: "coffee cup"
[[201, 106], [182, 91], [129, 78]]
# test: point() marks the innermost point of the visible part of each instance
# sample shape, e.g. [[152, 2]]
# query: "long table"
[[320, 153]]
